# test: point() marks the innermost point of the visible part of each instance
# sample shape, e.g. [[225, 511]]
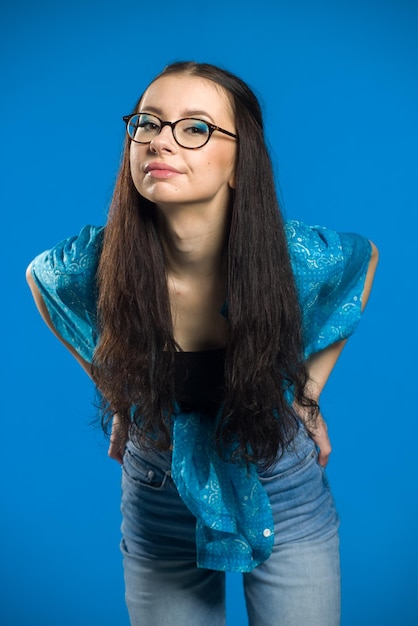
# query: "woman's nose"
[[164, 141]]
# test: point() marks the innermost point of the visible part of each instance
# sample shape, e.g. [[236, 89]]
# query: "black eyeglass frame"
[[212, 128]]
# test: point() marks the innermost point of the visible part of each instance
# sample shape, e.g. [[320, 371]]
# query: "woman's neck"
[[193, 242]]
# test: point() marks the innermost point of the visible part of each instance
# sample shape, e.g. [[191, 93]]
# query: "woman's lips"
[[161, 170]]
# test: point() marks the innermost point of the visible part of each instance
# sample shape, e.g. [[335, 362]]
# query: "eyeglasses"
[[188, 132]]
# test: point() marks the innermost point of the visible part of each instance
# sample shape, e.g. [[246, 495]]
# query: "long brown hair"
[[134, 362]]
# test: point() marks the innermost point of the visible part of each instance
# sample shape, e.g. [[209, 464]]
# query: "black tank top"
[[199, 380]]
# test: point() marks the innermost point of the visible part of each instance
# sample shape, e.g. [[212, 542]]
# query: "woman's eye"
[[149, 126], [196, 129]]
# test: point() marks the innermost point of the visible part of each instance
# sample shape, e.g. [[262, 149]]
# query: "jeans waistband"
[[160, 458]]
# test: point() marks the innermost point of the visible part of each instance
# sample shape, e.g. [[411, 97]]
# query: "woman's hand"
[[118, 439], [319, 366], [318, 432], [320, 436]]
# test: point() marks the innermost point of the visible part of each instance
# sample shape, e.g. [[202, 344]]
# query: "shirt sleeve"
[[66, 279], [330, 270]]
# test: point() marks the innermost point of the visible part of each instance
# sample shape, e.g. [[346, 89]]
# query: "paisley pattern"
[[235, 529], [66, 278], [330, 269]]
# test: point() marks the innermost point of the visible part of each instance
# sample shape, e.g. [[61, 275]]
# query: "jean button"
[[150, 474]]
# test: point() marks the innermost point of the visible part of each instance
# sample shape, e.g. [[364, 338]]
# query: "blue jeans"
[[299, 585]]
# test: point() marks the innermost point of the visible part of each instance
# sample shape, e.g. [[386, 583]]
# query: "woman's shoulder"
[[75, 255], [305, 238], [66, 273], [65, 276], [329, 269], [321, 249]]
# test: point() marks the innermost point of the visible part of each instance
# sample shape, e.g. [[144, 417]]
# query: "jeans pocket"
[[144, 473], [285, 467]]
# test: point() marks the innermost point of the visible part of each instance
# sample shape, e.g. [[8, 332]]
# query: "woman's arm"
[[118, 435], [321, 364], [41, 306]]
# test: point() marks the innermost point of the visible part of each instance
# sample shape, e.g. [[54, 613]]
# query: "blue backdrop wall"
[[339, 88]]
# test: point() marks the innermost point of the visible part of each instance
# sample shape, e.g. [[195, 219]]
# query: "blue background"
[[338, 83]]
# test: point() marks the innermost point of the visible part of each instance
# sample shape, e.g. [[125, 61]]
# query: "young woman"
[[210, 327]]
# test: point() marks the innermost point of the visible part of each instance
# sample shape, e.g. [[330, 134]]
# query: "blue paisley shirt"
[[234, 527]]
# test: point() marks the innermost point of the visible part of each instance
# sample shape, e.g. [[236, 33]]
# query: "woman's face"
[[201, 177]]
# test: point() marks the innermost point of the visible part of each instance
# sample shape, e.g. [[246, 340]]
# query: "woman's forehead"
[[186, 94]]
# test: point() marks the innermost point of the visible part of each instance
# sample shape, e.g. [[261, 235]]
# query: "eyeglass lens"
[[189, 133]]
